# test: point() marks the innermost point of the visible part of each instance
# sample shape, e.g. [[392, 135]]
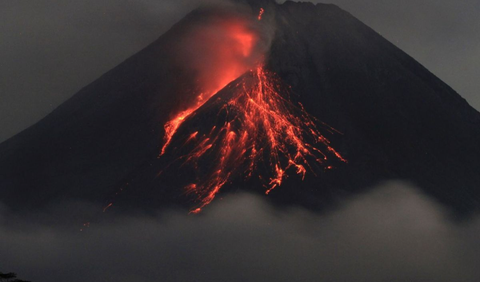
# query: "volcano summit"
[[301, 101]]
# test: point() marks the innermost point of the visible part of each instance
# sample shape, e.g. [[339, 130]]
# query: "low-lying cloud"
[[392, 234]]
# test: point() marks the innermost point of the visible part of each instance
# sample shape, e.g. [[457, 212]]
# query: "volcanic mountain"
[[318, 106]]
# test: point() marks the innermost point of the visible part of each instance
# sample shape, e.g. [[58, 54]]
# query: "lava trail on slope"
[[257, 131], [218, 51], [257, 125]]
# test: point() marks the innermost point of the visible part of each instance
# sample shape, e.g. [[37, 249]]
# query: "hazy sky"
[[49, 49]]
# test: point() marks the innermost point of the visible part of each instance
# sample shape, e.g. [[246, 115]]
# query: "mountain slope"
[[398, 120], [396, 115]]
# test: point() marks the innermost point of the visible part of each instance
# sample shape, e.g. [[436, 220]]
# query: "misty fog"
[[393, 233]]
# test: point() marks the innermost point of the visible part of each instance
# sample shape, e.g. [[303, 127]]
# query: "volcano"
[[299, 101]]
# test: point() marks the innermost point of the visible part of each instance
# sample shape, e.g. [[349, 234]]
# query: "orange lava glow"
[[228, 52], [262, 128], [107, 207], [260, 133], [260, 14]]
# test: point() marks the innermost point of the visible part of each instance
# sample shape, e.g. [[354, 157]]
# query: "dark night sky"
[[49, 49]]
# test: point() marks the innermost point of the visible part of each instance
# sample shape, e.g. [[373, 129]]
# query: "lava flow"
[[227, 48], [260, 14], [261, 126]]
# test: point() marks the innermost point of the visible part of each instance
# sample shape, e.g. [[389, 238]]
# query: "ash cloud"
[[221, 43], [391, 234]]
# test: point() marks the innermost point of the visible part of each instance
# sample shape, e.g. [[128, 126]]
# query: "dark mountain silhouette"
[[398, 121]]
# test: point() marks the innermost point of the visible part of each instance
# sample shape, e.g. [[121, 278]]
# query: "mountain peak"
[[384, 113]]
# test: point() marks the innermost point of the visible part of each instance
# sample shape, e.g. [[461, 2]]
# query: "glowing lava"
[[261, 132], [261, 128], [227, 51], [260, 14]]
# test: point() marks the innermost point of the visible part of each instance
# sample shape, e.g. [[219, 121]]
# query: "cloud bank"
[[391, 234]]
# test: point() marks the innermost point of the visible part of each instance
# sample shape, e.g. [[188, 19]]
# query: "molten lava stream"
[[261, 126]]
